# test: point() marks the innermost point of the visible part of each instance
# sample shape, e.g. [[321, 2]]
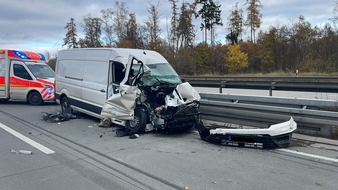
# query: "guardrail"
[[307, 84], [314, 117]]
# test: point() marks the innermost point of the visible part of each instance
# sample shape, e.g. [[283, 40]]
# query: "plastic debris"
[[57, 117], [134, 136], [105, 123], [21, 151]]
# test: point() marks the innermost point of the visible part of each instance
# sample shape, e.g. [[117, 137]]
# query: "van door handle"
[[102, 90]]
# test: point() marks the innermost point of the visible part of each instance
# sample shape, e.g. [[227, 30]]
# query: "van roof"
[[115, 54]]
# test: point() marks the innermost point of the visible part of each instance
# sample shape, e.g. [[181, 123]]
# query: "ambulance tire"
[[65, 106], [137, 125], [34, 98]]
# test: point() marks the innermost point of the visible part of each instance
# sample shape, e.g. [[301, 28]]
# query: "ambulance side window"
[[20, 71]]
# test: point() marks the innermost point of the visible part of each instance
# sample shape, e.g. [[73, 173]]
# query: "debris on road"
[[105, 123], [21, 151], [58, 116], [134, 136], [278, 135]]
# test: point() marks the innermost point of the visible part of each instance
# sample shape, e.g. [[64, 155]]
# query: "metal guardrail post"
[[272, 87], [221, 86]]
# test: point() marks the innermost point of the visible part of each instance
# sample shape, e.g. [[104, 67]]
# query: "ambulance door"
[[3, 75], [19, 80]]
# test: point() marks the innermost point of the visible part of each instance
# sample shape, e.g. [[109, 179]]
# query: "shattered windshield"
[[159, 73], [42, 71]]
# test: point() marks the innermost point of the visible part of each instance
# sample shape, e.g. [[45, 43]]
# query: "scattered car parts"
[[278, 135]]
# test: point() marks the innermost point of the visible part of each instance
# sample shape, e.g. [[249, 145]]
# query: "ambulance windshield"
[[42, 71]]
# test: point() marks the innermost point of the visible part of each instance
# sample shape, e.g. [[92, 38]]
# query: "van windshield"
[[42, 71], [159, 73]]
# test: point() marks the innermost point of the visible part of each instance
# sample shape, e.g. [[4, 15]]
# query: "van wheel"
[[34, 98], [137, 125], [65, 106]]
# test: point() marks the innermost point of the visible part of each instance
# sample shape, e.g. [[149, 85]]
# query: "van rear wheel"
[[65, 106], [34, 98], [137, 125]]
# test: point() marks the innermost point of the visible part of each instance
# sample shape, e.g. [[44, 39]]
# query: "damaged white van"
[[135, 88]]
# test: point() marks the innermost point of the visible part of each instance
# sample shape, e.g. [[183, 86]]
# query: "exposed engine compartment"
[[167, 108]]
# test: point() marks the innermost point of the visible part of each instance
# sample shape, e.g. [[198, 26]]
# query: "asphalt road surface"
[[77, 154]]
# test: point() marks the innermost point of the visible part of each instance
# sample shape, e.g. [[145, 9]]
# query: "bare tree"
[[107, 19], [92, 29], [153, 27], [120, 19]]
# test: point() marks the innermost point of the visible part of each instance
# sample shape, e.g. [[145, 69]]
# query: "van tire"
[[65, 106], [34, 98], [137, 125]]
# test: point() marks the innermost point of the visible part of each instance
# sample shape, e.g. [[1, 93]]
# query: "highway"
[[77, 154]]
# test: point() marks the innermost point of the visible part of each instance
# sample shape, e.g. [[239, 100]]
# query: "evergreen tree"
[[185, 28], [174, 25], [132, 33], [254, 17], [70, 39], [235, 24], [211, 16]]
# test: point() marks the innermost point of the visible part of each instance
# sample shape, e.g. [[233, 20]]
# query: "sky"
[[39, 25]]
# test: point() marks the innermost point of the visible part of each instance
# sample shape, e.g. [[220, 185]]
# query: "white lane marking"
[[309, 155], [27, 140]]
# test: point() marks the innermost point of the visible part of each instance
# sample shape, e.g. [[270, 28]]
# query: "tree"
[[132, 33], [211, 16], [235, 24], [107, 27], [174, 25], [254, 17], [335, 11], [92, 29], [70, 39], [120, 14], [185, 29], [153, 27], [236, 59]]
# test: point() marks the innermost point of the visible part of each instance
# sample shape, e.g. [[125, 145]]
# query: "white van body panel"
[[124, 84]]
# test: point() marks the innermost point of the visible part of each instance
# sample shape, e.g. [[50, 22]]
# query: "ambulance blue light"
[[43, 58], [20, 54]]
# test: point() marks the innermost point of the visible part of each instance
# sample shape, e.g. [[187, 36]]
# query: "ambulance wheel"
[[137, 125], [34, 98], [65, 106]]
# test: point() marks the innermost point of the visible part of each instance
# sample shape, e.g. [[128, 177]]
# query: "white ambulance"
[[25, 76], [133, 87]]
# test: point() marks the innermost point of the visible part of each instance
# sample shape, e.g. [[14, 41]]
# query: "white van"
[[135, 88]]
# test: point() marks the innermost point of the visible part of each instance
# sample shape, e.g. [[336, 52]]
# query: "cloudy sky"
[[38, 25]]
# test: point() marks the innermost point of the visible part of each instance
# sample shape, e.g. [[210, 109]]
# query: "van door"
[[95, 85], [3, 75], [19, 80], [121, 104]]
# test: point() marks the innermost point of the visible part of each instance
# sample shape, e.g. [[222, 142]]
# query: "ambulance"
[[25, 76]]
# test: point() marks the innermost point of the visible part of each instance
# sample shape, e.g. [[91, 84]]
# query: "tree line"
[[282, 48]]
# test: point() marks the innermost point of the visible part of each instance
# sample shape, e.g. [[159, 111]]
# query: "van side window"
[[20, 71], [118, 72]]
